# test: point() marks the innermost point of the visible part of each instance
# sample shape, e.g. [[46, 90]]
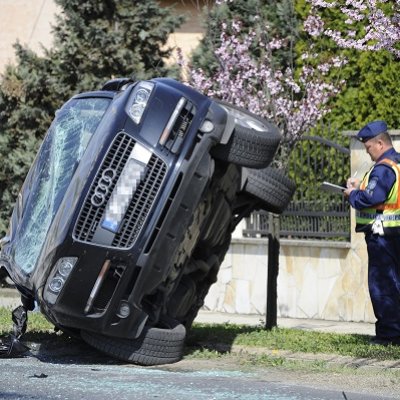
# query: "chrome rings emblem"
[[103, 187]]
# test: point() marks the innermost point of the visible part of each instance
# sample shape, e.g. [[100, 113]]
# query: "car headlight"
[[138, 101], [58, 277]]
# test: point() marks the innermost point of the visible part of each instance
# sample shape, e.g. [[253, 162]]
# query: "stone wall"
[[317, 279]]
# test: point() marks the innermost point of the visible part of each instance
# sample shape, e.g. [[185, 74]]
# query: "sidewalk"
[[362, 328], [9, 298]]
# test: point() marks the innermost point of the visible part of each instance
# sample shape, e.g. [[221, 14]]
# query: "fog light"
[[124, 310], [57, 278], [56, 284]]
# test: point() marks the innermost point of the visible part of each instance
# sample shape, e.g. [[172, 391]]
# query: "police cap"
[[371, 130]]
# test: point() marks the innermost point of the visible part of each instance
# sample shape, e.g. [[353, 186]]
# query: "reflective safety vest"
[[387, 212]]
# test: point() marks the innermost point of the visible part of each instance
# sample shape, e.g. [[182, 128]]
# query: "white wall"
[[317, 279], [29, 22]]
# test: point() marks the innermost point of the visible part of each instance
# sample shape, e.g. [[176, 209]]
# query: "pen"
[[352, 179], [356, 172], [360, 167]]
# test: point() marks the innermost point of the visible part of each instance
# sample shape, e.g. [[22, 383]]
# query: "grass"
[[216, 340], [295, 340], [37, 324]]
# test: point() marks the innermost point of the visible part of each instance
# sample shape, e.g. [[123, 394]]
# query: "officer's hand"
[[347, 191], [353, 183]]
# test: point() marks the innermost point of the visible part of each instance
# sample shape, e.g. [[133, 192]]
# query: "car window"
[[59, 155]]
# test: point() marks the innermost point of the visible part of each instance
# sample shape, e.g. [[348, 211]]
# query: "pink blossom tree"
[[372, 24], [295, 100]]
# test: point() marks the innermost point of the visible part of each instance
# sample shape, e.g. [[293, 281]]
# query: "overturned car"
[[127, 212]]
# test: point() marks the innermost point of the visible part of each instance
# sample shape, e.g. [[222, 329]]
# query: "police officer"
[[377, 202]]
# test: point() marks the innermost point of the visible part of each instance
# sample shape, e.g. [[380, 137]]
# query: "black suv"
[[127, 212]]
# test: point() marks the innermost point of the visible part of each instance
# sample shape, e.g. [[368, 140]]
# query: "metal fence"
[[313, 213]]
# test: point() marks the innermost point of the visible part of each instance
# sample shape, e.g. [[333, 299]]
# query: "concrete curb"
[[330, 359]]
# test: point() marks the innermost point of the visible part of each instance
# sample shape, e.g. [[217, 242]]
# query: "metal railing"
[[312, 213]]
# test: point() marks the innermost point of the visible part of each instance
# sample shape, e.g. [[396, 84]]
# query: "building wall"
[[29, 22], [189, 34], [26, 21]]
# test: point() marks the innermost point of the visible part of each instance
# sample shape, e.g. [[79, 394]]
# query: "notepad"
[[331, 187]]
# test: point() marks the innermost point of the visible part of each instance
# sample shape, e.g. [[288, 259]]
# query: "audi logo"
[[103, 187]]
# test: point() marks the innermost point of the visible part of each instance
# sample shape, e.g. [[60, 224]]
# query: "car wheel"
[[155, 346], [253, 142], [271, 187]]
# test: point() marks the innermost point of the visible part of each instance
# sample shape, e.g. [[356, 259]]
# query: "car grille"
[[140, 205]]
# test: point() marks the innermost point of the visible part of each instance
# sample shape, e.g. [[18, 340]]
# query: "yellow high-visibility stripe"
[[390, 209]]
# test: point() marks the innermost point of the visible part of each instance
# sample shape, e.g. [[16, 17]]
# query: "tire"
[[253, 142], [156, 346], [271, 187]]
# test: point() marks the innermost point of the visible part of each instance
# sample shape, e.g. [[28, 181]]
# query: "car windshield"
[[51, 173]]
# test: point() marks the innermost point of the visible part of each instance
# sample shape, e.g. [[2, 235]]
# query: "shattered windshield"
[[59, 155]]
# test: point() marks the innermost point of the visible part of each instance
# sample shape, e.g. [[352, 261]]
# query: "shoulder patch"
[[371, 185]]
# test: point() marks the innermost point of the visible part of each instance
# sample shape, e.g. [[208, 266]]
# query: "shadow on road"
[[61, 348], [215, 337]]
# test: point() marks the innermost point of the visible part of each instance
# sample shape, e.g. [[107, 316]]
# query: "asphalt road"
[[31, 379], [78, 372], [59, 369]]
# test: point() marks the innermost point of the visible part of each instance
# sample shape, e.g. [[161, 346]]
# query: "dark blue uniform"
[[383, 252]]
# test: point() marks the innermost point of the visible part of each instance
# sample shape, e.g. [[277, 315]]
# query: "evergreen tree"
[[100, 39], [94, 41], [27, 104]]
